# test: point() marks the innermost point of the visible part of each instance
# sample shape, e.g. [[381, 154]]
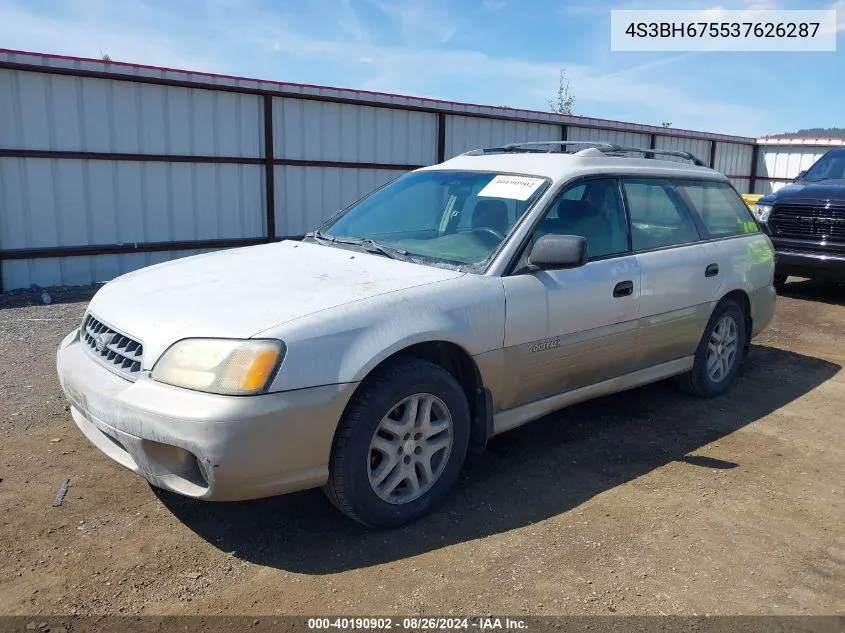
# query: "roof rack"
[[649, 153], [605, 148], [530, 145]]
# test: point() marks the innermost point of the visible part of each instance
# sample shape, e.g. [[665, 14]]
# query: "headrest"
[[492, 214], [574, 209]]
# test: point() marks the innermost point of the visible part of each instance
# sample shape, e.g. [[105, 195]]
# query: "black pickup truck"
[[806, 222]]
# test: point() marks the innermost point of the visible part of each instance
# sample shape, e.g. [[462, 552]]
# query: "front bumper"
[[810, 264], [805, 258], [202, 445]]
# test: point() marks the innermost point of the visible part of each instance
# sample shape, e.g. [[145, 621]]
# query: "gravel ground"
[[646, 502]]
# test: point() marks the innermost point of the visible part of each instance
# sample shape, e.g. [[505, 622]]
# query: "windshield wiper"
[[368, 244]]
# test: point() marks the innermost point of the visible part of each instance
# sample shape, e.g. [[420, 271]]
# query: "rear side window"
[[722, 211], [659, 216]]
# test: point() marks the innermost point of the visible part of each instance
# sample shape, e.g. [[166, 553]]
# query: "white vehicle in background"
[[457, 302]]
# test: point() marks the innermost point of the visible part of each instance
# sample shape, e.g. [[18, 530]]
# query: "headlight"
[[222, 366], [762, 212]]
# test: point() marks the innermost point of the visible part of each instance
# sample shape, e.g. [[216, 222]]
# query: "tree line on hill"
[[817, 132]]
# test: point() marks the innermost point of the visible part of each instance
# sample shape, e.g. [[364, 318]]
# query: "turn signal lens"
[[259, 371]]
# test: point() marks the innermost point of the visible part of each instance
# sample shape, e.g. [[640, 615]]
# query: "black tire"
[[697, 381], [348, 486], [780, 283]]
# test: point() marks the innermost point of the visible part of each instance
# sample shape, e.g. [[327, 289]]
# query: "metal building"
[[781, 159], [106, 167]]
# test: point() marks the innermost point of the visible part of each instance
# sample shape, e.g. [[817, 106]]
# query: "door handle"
[[712, 270], [623, 289]]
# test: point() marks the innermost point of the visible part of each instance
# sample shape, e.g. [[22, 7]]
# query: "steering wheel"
[[488, 231]]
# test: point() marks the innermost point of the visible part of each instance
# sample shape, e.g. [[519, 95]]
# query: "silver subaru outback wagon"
[[459, 301]]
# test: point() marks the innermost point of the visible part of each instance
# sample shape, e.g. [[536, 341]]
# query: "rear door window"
[[720, 208], [659, 216]]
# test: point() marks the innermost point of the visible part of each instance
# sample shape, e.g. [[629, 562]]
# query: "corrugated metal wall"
[[306, 196], [83, 270], [52, 202], [699, 148], [617, 137], [42, 111], [734, 160], [464, 133], [777, 165], [98, 158], [319, 131]]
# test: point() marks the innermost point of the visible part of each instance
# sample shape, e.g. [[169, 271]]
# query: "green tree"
[[564, 99], [818, 132]]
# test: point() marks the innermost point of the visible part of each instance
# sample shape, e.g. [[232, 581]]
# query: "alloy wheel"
[[410, 448]]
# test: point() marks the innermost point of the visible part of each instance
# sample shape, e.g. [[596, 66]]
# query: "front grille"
[[815, 223], [116, 351]]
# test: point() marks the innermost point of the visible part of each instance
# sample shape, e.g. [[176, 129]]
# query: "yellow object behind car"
[[751, 199]]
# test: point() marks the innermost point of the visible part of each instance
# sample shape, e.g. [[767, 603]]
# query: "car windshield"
[[455, 218], [831, 166]]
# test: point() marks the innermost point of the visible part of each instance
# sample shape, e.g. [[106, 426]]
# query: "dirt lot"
[[642, 503]]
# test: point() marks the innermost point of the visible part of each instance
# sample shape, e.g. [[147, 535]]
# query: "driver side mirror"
[[554, 252]]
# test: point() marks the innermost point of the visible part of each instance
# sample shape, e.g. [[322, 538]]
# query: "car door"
[[733, 237], [678, 277], [566, 329]]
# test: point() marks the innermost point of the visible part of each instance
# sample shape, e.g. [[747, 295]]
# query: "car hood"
[[821, 191], [240, 292]]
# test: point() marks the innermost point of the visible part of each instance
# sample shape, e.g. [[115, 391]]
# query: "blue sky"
[[498, 52]]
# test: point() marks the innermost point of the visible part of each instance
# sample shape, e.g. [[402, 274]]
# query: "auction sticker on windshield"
[[511, 187]]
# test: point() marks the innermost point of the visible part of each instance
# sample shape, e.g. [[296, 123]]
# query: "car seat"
[[491, 214], [579, 217]]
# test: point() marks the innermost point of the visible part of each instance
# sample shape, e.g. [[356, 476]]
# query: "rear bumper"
[[812, 264], [203, 445]]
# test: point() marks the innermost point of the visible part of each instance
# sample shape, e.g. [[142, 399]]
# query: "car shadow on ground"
[[814, 290], [538, 471]]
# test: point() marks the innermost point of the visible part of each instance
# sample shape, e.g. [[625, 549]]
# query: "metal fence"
[[107, 167]]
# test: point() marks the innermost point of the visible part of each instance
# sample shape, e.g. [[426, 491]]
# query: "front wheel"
[[400, 444], [719, 353]]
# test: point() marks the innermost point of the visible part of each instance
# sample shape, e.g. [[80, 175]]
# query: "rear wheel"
[[400, 444], [719, 353]]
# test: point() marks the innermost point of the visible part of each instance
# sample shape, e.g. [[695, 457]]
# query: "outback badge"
[[546, 345]]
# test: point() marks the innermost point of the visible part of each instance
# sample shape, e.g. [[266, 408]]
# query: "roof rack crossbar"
[[533, 143], [528, 145], [607, 148], [650, 152]]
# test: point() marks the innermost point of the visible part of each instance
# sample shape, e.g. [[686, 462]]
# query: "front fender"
[[345, 344]]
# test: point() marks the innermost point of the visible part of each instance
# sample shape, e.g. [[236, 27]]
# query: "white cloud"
[[92, 29], [238, 37], [759, 4], [349, 21], [420, 20], [839, 7]]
